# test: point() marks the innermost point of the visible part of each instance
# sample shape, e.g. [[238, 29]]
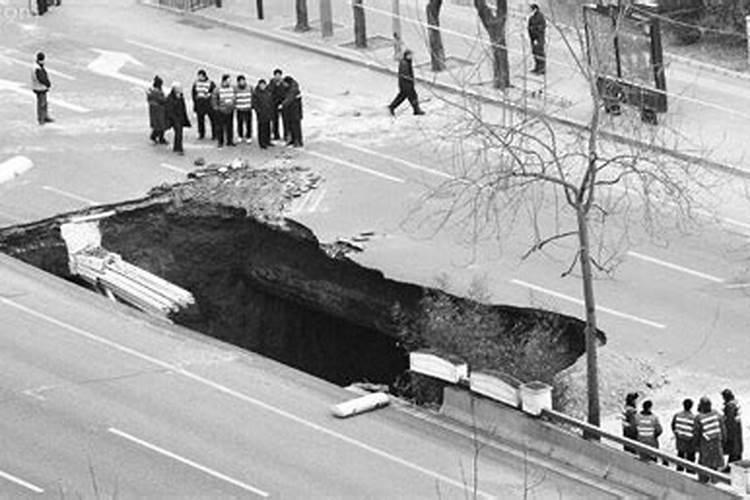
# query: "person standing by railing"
[[683, 427], [733, 424], [648, 428], [628, 419], [709, 434]]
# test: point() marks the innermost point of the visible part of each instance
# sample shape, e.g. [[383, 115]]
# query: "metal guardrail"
[[655, 453]]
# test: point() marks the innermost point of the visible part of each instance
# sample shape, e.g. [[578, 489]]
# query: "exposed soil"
[[265, 283]]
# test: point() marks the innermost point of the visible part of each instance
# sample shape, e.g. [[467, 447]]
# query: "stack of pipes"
[[129, 283]]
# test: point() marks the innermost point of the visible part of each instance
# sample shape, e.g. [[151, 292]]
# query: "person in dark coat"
[[264, 112], [41, 84], [203, 88], [683, 427], [278, 91], [537, 27], [157, 111], [709, 435], [628, 419], [177, 116], [291, 108], [733, 425], [406, 88]]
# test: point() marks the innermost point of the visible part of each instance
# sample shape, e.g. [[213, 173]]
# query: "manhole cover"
[[374, 42]]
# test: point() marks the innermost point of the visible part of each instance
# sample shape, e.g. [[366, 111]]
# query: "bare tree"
[[437, 51], [303, 24], [360, 28], [569, 183], [494, 23]]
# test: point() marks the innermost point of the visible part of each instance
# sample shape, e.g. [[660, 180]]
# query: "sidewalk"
[[707, 115]]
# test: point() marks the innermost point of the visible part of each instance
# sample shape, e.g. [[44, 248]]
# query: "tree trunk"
[[437, 52], [592, 366], [326, 18], [259, 8], [302, 23], [360, 30], [397, 40], [494, 24]]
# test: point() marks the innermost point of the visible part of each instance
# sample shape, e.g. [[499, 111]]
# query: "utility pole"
[[326, 18]]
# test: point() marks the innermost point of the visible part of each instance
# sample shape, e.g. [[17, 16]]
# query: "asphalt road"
[[96, 401], [679, 303]]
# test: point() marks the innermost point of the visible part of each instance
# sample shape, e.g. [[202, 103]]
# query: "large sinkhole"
[[265, 283]]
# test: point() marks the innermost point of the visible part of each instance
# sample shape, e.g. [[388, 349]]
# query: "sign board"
[[625, 52]]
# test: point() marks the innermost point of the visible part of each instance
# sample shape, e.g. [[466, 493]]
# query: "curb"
[[581, 126]]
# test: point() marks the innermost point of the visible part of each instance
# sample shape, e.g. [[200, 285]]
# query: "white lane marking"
[[675, 267], [354, 166], [21, 482], [18, 88], [109, 63], [174, 168], [320, 194], [208, 64], [700, 211], [30, 64], [238, 395], [188, 462], [395, 159], [72, 196], [580, 302]]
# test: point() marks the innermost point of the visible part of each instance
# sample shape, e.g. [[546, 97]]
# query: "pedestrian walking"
[[264, 112], [177, 116], [291, 109], [223, 102], [733, 425], [709, 435], [406, 89], [683, 427], [648, 428], [537, 26], [278, 91], [244, 105], [40, 84], [157, 113], [203, 88], [627, 418]]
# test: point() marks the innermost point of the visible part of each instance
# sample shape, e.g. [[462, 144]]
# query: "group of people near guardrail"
[[708, 434], [226, 105]]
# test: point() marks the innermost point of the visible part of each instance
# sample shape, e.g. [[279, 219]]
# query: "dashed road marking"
[[354, 166], [395, 159], [241, 396], [70, 195], [188, 462], [574, 300], [21, 482], [174, 168], [675, 267]]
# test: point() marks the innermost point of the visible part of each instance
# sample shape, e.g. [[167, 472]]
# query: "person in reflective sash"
[[648, 428], [683, 427], [709, 435]]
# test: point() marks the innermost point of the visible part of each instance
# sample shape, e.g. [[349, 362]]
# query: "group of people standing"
[[707, 433], [276, 104]]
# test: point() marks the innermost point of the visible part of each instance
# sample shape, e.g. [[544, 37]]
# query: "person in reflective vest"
[[223, 102], [202, 90], [648, 428], [627, 419], [243, 103], [709, 435], [733, 425], [683, 427]]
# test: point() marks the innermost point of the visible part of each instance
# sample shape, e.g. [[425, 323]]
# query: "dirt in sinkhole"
[[265, 283]]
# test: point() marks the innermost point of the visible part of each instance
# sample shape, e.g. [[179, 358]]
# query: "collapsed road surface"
[[100, 401], [265, 283]]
